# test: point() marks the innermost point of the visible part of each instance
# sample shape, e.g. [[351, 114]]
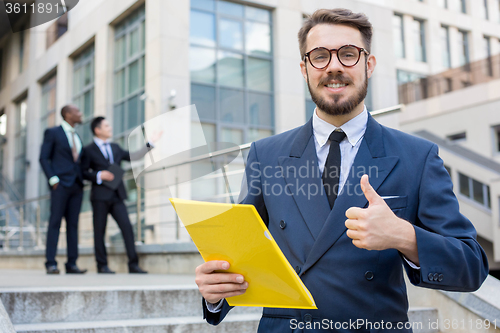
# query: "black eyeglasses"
[[348, 56]]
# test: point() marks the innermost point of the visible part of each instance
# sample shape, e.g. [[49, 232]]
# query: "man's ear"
[[370, 65], [303, 70]]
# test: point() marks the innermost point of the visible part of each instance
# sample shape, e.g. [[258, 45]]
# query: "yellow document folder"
[[236, 233]]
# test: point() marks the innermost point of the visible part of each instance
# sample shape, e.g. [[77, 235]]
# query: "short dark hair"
[[96, 122], [338, 16], [65, 109]]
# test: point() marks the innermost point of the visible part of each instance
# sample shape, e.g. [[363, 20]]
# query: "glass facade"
[[419, 40], [445, 46], [129, 65], [230, 62], [83, 91], [398, 35], [463, 47], [20, 148]]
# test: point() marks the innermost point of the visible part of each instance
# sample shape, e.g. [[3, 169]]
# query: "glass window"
[[202, 28], [203, 4], [258, 38], [445, 46], [1, 67], [230, 34], [487, 52], [83, 91], [398, 35], [20, 148], [486, 15], [477, 190], [464, 184], [259, 74], [231, 66], [443, 3], [232, 106], [230, 69], [21, 49], [128, 109], [419, 40], [458, 5], [229, 8], [463, 46], [496, 135]]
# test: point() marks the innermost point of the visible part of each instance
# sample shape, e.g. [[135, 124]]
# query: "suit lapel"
[[301, 174], [370, 159], [64, 138]]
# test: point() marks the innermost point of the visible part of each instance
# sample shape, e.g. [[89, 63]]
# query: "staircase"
[[141, 309]]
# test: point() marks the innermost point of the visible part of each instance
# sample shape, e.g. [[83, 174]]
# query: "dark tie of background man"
[[331, 174]]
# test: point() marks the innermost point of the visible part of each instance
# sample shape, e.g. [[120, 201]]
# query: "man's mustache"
[[339, 78]]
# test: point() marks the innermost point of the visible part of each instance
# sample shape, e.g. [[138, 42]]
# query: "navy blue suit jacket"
[[346, 282], [56, 158]]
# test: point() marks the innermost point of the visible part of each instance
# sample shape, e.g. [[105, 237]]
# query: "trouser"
[[118, 211], [64, 202]]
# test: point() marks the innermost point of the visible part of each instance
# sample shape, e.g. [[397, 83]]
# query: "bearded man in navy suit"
[[373, 200], [60, 161]]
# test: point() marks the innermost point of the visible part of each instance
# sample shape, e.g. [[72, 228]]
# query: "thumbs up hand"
[[377, 227]]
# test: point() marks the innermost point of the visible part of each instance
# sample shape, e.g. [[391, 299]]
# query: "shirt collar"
[[354, 128], [67, 127], [100, 142]]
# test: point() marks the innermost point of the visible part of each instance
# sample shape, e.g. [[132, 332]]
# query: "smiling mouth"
[[336, 85]]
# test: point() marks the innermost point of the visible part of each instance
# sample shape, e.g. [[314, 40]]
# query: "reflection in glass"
[[232, 106], [120, 85], [255, 134], [258, 38], [203, 4], [202, 64], [230, 69], [260, 109], [120, 52], [232, 135], [477, 190], [132, 112], [230, 34], [118, 118], [259, 74], [203, 98], [134, 42], [229, 8], [202, 28], [258, 14], [133, 77]]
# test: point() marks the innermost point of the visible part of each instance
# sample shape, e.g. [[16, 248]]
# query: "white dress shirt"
[[105, 148]]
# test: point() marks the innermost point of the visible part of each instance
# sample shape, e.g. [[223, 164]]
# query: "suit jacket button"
[[369, 275], [436, 277], [282, 224], [440, 277], [308, 318], [297, 269], [430, 277]]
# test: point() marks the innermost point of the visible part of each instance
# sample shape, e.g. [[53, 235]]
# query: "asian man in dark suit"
[[358, 202], [60, 161], [96, 159]]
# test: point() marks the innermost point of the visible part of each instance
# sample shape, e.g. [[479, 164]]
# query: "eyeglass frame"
[[360, 49]]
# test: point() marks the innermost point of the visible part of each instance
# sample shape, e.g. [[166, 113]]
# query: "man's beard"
[[335, 108]]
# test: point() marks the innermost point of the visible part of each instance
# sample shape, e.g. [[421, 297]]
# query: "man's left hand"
[[376, 227]]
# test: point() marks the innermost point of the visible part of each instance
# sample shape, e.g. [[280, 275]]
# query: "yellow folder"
[[236, 233]]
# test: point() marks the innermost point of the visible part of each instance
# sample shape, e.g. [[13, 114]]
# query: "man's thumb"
[[368, 190]]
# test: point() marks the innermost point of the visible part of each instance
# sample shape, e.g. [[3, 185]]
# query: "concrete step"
[[424, 320], [81, 304], [243, 323]]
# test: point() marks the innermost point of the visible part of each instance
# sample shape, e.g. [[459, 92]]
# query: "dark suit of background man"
[[60, 158], [96, 159], [349, 245]]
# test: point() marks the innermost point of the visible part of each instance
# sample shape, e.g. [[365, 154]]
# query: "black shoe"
[[75, 270], [52, 270], [136, 269], [104, 270]]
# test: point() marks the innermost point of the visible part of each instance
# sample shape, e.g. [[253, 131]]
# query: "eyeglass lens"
[[347, 55]]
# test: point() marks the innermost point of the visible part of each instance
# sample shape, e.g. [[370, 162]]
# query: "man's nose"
[[335, 66]]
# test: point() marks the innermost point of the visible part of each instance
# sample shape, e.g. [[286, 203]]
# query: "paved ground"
[[15, 279]]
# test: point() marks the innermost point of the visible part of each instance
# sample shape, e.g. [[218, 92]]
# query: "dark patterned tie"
[[331, 174]]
